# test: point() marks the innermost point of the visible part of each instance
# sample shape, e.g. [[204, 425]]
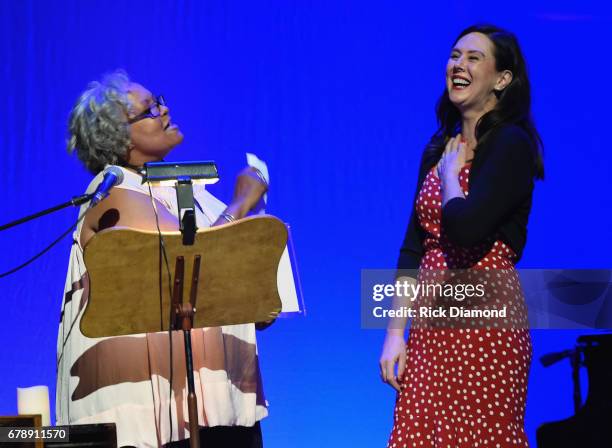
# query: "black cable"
[[162, 250], [46, 249]]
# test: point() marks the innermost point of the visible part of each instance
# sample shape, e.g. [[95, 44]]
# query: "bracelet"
[[228, 217]]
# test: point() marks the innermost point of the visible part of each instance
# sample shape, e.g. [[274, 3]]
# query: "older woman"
[[125, 380], [466, 387]]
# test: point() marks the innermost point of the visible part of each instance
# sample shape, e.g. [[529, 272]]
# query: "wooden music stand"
[[233, 271]]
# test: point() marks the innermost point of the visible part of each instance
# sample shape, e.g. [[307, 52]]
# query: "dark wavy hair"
[[513, 105]]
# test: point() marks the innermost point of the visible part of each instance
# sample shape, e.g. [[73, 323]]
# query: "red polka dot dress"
[[464, 386]]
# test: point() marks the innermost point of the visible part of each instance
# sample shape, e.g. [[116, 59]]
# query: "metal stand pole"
[[192, 401], [182, 317], [76, 200]]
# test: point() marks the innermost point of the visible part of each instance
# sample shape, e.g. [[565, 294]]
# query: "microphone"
[[112, 176]]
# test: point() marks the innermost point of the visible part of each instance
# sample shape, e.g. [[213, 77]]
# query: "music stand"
[[233, 271]]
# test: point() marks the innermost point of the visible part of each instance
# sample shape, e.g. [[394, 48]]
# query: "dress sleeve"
[[505, 179]]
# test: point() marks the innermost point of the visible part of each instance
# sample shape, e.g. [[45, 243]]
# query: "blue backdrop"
[[338, 97]]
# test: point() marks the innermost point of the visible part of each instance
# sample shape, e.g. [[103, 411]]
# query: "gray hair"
[[98, 128]]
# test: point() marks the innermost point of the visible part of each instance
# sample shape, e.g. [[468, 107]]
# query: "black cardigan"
[[501, 184]]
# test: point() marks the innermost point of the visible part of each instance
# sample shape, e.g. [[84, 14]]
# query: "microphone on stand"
[[112, 176]]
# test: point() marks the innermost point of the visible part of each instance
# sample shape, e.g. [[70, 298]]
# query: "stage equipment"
[[590, 426]]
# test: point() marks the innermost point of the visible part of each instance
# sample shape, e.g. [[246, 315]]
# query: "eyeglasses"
[[153, 111]]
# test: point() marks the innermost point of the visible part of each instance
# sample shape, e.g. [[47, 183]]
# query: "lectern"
[[229, 275]]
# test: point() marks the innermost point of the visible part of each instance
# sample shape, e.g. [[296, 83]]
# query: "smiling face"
[[153, 137], [471, 74]]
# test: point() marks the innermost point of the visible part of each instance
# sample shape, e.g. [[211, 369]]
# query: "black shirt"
[[501, 184]]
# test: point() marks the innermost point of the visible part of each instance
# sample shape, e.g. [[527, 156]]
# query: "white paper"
[[285, 279], [34, 400], [255, 162], [286, 285]]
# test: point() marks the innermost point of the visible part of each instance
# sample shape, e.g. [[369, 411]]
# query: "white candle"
[[34, 400]]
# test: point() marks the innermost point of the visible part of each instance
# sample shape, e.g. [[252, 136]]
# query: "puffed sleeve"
[[504, 180]]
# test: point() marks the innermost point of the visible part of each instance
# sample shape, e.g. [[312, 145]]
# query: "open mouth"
[[460, 83]]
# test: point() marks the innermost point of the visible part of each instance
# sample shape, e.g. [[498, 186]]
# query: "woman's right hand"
[[393, 352], [452, 159]]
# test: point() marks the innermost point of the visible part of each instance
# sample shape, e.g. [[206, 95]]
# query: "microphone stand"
[[75, 201]]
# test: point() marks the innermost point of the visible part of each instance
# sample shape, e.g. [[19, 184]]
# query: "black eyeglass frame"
[[148, 113]]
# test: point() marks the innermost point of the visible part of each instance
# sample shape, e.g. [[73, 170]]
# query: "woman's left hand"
[[250, 188], [452, 159]]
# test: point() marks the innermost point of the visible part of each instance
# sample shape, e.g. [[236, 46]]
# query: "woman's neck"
[[136, 160], [468, 130], [469, 120], [139, 161]]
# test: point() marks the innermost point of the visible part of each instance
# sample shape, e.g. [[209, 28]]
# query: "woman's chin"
[[176, 136], [179, 136], [459, 101]]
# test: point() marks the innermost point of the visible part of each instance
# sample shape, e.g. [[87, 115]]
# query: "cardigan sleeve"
[[411, 250], [505, 178]]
